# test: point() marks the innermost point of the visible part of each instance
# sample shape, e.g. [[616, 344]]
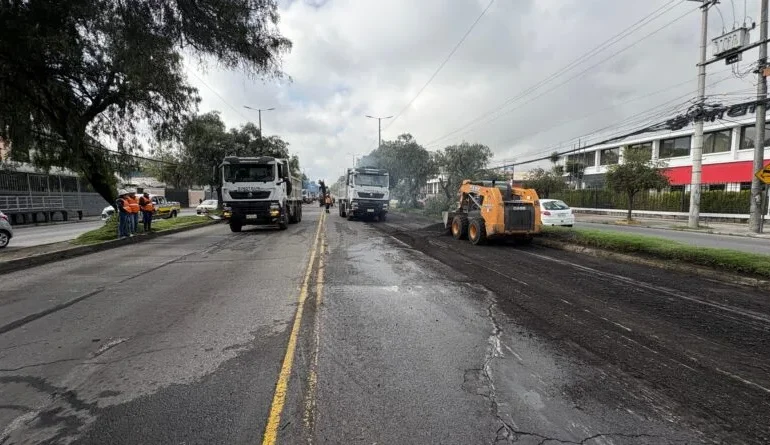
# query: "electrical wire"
[[219, 96], [562, 71], [441, 66]]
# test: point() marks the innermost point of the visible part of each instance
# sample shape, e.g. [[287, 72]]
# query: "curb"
[[45, 258], [706, 230], [707, 272]]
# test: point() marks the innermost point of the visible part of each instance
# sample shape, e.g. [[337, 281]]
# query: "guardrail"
[[30, 203]]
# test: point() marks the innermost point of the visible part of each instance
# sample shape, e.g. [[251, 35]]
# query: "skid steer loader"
[[493, 210]]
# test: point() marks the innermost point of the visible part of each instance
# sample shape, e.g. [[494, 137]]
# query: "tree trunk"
[[94, 168], [630, 205], [445, 188]]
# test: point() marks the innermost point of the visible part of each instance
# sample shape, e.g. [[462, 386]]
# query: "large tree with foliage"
[[636, 174], [408, 163], [545, 181], [459, 162], [75, 69]]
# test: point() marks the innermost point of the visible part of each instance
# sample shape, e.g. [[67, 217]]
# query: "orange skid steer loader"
[[491, 210]]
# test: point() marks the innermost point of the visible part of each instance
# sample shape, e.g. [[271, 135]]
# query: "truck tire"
[[283, 224], [299, 218], [383, 216], [477, 231], [460, 227], [293, 215], [173, 214], [235, 227]]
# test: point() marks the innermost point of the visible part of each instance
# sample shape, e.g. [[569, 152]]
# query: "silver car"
[[6, 231]]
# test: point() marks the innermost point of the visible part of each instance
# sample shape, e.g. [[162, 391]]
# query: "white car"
[[554, 212], [206, 206], [107, 212], [6, 231]]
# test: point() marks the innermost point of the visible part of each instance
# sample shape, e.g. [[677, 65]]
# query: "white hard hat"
[[122, 192]]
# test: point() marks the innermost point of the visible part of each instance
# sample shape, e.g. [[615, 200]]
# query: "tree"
[[72, 70], [408, 163], [637, 173], [545, 182], [459, 162]]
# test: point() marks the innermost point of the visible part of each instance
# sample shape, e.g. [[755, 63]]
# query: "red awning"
[[741, 171]]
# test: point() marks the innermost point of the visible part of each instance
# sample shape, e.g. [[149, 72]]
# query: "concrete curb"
[[50, 257], [706, 272]]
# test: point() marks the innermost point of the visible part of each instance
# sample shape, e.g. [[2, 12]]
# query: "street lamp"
[[379, 127], [259, 110]]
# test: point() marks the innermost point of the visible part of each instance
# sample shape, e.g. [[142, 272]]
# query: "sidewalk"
[[716, 228]]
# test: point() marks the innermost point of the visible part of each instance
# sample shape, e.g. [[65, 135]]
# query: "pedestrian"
[[200, 201], [123, 209], [133, 205], [327, 202], [148, 210]]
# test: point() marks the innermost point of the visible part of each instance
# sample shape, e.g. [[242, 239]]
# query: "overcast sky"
[[358, 57]]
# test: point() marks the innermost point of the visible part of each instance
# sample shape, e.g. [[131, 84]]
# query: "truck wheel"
[[293, 216], [477, 231], [382, 217], [283, 224], [235, 227], [173, 214], [299, 218], [460, 227]]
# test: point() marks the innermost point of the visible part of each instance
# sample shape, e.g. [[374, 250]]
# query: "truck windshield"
[[249, 172], [372, 180]]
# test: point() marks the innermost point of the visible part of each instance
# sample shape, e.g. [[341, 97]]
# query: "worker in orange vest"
[[133, 210], [148, 209], [124, 216]]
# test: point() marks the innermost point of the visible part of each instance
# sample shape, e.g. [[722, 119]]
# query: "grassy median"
[[109, 231], [660, 248]]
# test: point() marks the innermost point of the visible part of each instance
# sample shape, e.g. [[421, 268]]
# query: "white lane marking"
[[109, 345], [637, 283], [565, 301], [616, 324], [741, 379]]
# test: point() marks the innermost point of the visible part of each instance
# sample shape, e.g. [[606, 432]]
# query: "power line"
[[219, 96], [435, 73], [580, 60]]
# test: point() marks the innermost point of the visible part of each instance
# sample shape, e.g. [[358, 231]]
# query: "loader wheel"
[[460, 227], [477, 231]]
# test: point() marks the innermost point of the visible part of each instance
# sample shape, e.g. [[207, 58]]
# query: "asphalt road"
[[741, 243], [28, 236], [401, 336]]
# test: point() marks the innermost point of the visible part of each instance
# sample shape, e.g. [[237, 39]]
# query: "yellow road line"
[[279, 398], [311, 415]]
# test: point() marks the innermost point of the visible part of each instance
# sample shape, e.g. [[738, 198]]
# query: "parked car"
[[6, 231], [206, 206], [107, 212], [554, 212]]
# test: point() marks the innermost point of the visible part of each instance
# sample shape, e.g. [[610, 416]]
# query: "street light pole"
[[379, 127], [757, 198], [259, 111]]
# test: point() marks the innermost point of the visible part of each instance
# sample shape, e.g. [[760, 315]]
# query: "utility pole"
[[259, 112], [697, 146], [757, 196], [379, 128]]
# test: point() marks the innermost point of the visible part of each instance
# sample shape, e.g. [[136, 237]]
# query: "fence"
[[712, 201], [31, 203]]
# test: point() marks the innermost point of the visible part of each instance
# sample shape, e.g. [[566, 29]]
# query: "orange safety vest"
[[133, 205], [124, 203], [148, 205]]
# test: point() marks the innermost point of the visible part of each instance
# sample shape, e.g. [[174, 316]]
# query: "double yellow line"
[[281, 388]]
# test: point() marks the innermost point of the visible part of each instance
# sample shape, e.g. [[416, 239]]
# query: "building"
[[728, 153]]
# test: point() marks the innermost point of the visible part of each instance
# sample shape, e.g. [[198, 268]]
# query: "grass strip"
[[660, 248], [109, 231]]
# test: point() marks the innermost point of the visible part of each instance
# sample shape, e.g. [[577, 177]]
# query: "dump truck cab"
[[494, 209]]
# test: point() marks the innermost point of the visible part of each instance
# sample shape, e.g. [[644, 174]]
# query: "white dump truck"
[[260, 191], [366, 193]]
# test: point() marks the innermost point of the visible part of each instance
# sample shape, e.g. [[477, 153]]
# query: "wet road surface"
[[401, 336]]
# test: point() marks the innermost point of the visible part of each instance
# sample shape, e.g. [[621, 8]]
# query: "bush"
[[715, 201], [434, 206]]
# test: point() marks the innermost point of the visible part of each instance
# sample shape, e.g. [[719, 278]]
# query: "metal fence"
[[31, 203]]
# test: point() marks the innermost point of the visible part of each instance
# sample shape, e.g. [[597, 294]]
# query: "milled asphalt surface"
[[28, 236], [407, 337], [740, 243]]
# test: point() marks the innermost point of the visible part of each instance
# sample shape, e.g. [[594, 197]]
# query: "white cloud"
[[357, 57]]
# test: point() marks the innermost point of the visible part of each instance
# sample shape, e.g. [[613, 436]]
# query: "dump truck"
[[493, 210], [367, 194], [260, 191]]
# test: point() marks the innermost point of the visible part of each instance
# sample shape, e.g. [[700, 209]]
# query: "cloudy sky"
[[531, 77]]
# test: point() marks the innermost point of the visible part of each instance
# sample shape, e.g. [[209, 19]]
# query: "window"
[[645, 149], [249, 173], [745, 186], [749, 135], [675, 147], [555, 205], [609, 156], [371, 180], [717, 141], [586, 159]]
